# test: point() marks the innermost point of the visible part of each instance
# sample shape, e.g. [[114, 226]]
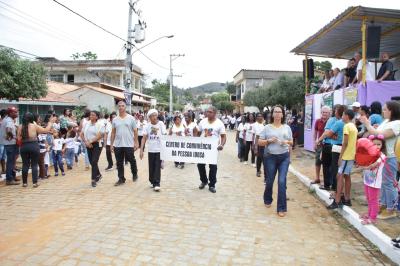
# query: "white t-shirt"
[[58, 144], [373, 177], [368, 70], [240, 128], [153, 133], [70, 143], [215, 129], [140, 126], [258, 128], [108, 131], [391, 142], [249, 127], [190, 128], [225, 119], [76, 147], [233, 120], [178, 131]]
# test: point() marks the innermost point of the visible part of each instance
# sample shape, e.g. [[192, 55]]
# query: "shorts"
[[346, 167], [318, 151]]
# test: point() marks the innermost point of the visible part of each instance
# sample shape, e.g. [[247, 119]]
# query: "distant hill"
[[207, 88]]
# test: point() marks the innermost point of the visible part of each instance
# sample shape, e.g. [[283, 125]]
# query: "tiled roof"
[[60, 88]]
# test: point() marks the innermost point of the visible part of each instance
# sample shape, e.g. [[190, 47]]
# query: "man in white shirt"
[[369, 75], [211, 127]]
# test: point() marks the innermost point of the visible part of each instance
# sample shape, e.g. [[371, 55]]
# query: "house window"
[[70, 78], [57, 77]]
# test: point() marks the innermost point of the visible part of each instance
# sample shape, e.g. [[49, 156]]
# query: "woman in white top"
[[191, 126], [248, 140], [239, 139], [141, 124], [178, 129], [258, 128]]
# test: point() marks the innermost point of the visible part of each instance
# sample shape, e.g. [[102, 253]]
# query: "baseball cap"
[[356, 104]]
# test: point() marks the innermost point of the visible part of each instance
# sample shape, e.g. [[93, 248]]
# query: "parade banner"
[[308, 114], [189, 149], [350, 96], [327, 99]]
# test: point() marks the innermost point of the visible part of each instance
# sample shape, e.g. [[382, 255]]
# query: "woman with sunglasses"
[[390, 129], [277, 140]]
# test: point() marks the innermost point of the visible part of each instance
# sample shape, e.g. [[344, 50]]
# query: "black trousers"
[[154, 168], [140, 142], [326, 164], [260, 157], [246, 152], [334, 169], [212, 175], [94, 155], [30, 153], [122, 154], [109, 156]]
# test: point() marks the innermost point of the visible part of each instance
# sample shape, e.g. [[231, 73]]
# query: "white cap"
[[356, 104], [152, 112]]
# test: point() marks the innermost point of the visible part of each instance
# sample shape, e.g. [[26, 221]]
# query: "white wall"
[[92, 99]]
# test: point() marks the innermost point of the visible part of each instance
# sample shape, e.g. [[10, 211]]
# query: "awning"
[[341, 38]]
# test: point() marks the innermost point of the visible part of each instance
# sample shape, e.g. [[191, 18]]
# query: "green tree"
[[257, 97], [322, 66], [20, 78], [219, 97], [225, 106], [86, 56], [188, 96], [287, 91], [160, 91], [231, 88]]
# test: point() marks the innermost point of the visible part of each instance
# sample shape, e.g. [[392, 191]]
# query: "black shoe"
[[397, 245], [212, 189], [94, 184], [98, 178], [202, 185], [333, 206], [258, 173], [135, 178], [347, 203], [12, 183], [396, 240], [324, 188], [119, 183]]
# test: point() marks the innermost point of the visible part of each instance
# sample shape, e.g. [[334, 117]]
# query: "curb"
[[370, 232]]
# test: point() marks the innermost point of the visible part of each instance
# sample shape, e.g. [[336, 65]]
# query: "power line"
[[109, 32], [36, 56]]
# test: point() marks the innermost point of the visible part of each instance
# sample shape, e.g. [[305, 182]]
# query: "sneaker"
[[245, 163], [135, 178], [152, 185], [258, 173], [333, 206], [387, 215], [110, 168], [157, 188], [24, 185], [202, 185], [119, 183], [69, 167], [98, 178], [94, 184], [397, 245], [12, 183], [35, 185], [56, 174], [347, 203], [254, 165], [63, 173], [396, 240], [212, 189]]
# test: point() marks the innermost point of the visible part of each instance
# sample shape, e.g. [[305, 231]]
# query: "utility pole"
[[172, 57], [128, 61]]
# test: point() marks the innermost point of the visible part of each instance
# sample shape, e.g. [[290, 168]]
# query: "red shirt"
[[319, 127]]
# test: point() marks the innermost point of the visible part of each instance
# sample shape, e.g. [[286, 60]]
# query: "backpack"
[[366, 152]]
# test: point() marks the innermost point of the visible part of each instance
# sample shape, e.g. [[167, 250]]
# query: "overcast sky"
[[219, 37]]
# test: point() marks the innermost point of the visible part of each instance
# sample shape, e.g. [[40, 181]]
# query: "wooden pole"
[[364, 49]]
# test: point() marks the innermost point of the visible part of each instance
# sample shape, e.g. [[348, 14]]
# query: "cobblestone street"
[[67, 222]]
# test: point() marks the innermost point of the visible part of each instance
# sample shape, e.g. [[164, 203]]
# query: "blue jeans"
[[276, 163], [57, 161], [388, 191], [70, 156], [12, 152]]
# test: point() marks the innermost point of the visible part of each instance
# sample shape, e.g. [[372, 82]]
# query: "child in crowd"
[[372, 176], [69, 150], [346, 161], [77, 149], [42, 149], [57, 151]]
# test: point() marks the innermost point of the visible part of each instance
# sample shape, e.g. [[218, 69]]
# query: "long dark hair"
[[283, 114], [394, 108], [376, 108], [27, 119]]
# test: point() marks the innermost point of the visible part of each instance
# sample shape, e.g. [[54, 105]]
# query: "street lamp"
[[159, 38], [172, 57]]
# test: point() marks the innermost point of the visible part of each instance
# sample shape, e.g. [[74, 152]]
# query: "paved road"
[[66, 222]]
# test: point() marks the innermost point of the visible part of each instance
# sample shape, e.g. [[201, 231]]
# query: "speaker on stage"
[[373, 42], [310, 69]]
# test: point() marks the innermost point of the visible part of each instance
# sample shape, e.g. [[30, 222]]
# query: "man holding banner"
[[211, 127]]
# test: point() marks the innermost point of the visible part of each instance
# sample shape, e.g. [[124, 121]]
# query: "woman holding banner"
[[178, 129], [212, 127], [151, 134]]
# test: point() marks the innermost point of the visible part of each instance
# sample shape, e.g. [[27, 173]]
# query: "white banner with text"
[[189, 149]]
